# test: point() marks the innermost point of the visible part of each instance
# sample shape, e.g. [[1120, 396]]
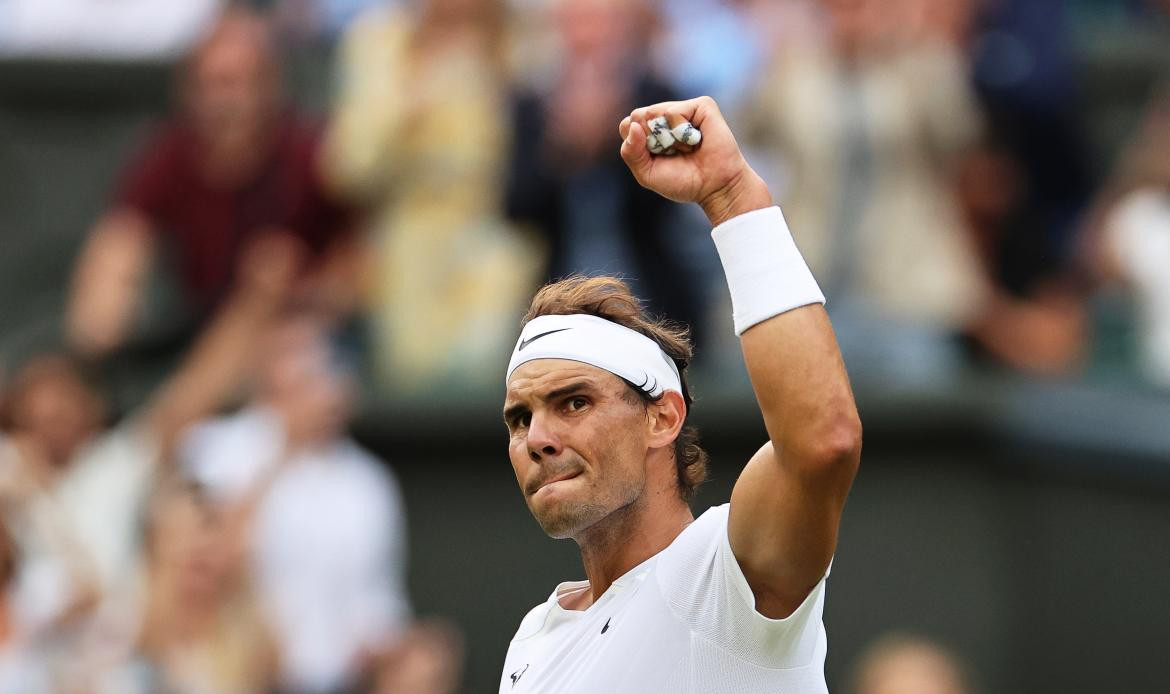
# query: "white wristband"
[[765, 272]]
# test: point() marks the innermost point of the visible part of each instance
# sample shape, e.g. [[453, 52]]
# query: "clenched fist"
[[713, 174]]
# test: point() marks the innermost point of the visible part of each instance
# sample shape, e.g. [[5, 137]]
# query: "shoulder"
[[700, 537], [129, 444], [157, 166], [365, 467], [533, 622], [704, 586], [368, 481], [537, 618]]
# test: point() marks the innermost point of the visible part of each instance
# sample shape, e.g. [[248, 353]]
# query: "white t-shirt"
[[329, 547], [93, 512], [683, 621]]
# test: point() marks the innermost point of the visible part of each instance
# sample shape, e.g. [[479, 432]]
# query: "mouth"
[[556, 478]]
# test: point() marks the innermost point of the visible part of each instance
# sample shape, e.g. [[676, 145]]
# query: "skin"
[[595, 463], [230, 98], [623, 504]]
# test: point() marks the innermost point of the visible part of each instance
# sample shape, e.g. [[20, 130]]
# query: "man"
[[566, 180], [235, 172], [74, 491], [596, 406], [323, 519]]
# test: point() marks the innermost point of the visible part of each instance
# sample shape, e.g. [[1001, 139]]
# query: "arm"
[[787, 503], [224, 353], [361, 147], [336, 284], [107, 283]]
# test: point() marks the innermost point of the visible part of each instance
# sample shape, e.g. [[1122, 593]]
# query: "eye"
[[576, 403], [519, 421]]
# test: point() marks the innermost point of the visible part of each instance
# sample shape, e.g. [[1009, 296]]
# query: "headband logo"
[[534, 338]]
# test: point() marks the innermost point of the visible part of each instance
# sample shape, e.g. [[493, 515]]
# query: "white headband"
[[602, 343]]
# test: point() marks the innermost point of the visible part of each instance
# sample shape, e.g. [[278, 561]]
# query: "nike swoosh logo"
[[606, 627], [534, 338]]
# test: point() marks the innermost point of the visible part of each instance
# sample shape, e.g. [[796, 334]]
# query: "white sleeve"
[[705, 587]]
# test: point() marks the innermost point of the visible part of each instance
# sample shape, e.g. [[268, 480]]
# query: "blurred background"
[[261, 264]]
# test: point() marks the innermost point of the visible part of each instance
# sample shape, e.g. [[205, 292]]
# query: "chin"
[[564, 519]]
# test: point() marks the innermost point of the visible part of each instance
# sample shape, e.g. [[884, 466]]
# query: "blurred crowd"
[[226, 534]]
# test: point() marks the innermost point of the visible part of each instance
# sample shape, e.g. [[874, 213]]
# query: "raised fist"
[[713, 174]]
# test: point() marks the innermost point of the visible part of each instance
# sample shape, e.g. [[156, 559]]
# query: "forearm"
[[214, 367], [337, 285], [803, 391], [107, 283], [786, 505], [788, 344]]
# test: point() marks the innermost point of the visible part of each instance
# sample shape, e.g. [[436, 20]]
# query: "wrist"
[[745, 192], [766, 274]]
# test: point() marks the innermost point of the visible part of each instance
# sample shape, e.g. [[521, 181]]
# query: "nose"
[[542, 439]]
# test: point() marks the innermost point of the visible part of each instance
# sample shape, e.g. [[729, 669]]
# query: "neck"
[[235, 157], [628, 537]]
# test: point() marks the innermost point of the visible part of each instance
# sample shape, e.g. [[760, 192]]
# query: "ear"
[[664, 419]]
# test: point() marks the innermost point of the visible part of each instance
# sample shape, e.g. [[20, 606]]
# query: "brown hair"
[[610, 298]]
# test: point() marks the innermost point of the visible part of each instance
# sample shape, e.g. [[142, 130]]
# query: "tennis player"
[[596, 408]]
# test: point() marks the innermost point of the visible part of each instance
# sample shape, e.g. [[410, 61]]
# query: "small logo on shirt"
[[606, 627], [518, 674]]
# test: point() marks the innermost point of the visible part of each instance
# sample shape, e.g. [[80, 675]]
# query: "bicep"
[[783, 529]]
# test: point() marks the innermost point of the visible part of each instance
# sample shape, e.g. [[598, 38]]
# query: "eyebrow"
[[515, 410]]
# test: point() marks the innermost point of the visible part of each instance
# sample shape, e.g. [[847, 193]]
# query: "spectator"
[[869, 125], [202, 628], [567, 177], [1035, 318], [94, 482], [327, 530], [233, 168], [420, 134], [902, 664], [1023, 188]]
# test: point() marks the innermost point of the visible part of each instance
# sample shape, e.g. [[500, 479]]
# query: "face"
[[578, 440], [301, 377], [597, 27], [186, 538], [231, 89], [57, 410]]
